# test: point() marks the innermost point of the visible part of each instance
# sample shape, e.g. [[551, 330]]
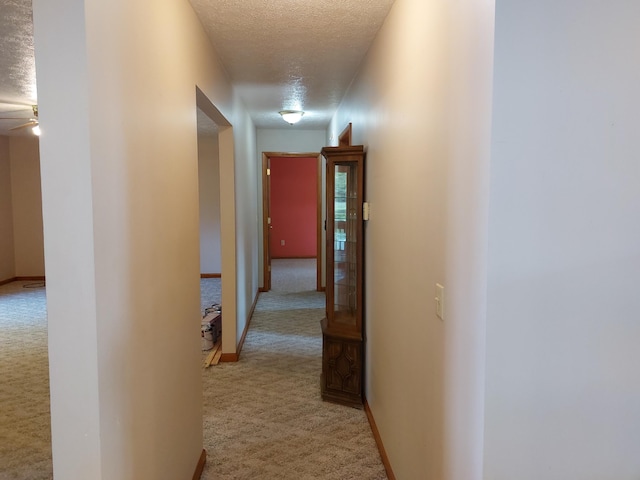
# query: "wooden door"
[[266, 212]]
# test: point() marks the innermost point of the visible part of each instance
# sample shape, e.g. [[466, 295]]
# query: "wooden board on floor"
[[216, 357], [215, 351]]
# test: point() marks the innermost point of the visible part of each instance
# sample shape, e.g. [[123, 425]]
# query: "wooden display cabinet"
[[342, 379]]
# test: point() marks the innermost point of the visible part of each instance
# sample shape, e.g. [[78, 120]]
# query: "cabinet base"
[[342, 373], [336, 397]]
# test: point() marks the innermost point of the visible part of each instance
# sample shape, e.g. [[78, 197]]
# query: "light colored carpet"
[[293, 274], [263, 416], [25, 422], [210, 292]]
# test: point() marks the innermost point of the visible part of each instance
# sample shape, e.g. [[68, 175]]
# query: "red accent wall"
[[294, 187]]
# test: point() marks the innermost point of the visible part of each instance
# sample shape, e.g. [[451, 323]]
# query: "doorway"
[[301, 247], [225, 190], [24, 334]]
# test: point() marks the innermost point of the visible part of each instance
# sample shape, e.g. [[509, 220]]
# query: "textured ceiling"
[[17, 66], [279, 54], [292, 54]]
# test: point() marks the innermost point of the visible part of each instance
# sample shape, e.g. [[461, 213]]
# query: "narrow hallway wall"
[[121, 231], [209, 191], [421, 105]]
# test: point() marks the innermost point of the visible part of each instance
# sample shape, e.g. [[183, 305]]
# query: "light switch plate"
[[439, 301]]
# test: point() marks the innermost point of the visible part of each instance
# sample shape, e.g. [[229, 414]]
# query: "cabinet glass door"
[[345, 271]]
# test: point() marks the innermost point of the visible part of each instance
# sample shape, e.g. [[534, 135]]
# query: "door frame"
[[228, 250], [266, 209]]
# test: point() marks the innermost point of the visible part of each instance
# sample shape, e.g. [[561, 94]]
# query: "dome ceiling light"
[[291, 116]]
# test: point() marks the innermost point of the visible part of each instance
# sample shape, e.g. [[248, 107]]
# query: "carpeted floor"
[[25, 423], [263, 416], [293, 274]]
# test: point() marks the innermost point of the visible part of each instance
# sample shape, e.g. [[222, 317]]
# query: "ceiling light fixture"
[[36, 130], [291, 116]]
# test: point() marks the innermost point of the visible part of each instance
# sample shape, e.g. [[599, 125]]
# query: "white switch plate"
[[439, 301]]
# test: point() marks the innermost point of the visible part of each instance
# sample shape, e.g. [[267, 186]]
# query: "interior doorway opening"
[[292, 210], [216, 183], [210, 230]]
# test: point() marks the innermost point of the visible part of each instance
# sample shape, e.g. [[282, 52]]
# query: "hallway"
[[263, 416]]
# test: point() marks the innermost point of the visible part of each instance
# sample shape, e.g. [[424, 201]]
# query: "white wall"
[[209, 191], [283, 141], [121, 231], [21, 242], [27, 206], [247, 237], [421, 105], [563, 383], [7, 262], [289, 140]]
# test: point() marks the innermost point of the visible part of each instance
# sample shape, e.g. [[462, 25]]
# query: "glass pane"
[[345, 237]]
